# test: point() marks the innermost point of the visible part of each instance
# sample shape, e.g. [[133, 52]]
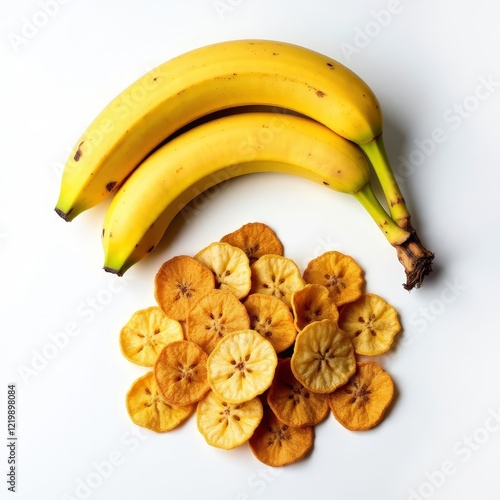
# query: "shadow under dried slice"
[[178, 283], [339, 273], [323, 357], [147, 408], [271, 317], [215, 314], [371, 324], [241, 366], [362, 402], [293, 403], [146, 333], [227, 425], [313, 303], [230, 266], [255, 239], [277, 444], [277, 276], [181, 373]]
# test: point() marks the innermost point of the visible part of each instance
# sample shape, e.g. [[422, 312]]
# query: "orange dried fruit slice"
[[277, 444], [271, 317], [230, 266], [339, 273], [277, 276], [362, 403], [323, 357], [215, 314], [313, 303], [241, 366], [147, 408], [146, 333], [178, 282], [293, 403], [255, 239], [181, 373], [227, 425], [371, 323]]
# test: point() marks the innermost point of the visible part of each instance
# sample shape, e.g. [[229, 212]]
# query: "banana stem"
[[377, 154], [416, 260]]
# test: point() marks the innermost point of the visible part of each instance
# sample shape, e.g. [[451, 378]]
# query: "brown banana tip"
[[62, 214], [416, 260], [113, 271]]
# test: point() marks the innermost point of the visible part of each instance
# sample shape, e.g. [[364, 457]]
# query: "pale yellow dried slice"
[[338, 272], [362, 402], [181, 373], [147, 408], [277, 276], [227, 425], [178, 283], [371, 323], [271, 317], [293, 403], [214, 315], [255, 239], [277, 444], [146, 333], [230, 266], [241, 366], [313, 303], [323, 357]]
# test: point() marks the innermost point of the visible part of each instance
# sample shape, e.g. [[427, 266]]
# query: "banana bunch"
[[160, 143]]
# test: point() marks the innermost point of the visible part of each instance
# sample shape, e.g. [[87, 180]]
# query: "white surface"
[[441, 440]]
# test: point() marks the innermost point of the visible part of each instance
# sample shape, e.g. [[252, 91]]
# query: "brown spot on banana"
[[79, 152], [110, 186]]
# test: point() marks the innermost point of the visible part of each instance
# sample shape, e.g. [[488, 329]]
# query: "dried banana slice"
[[181, 373], [241, 366], [277, 276], [215, 314], [323, 358], [146, 333], [178, 282], [362, 402], [147, 408], [371, 323], [255, 239], [230, 266], [272, 319], [339, 273], [227, 425], [313, 303], [277, 444], [293, 403]]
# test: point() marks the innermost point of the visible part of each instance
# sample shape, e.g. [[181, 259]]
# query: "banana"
[[215, 77], [244, 143]]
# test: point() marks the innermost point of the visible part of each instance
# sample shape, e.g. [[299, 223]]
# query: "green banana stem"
[[416, 260]]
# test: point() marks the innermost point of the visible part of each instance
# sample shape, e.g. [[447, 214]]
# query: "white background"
[[425, 62]]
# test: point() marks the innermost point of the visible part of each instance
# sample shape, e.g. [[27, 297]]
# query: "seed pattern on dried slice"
[[146, 333], [178, 282], [230, 266], [313, 303], [227, 425], [147, 408], [277, 276], [323, 358], [215, 314], [277, 444], [293, 403], [255, 239], [181, 373], [371, 323], [339, 273], [241, 366], [271, 317], [362, 403]]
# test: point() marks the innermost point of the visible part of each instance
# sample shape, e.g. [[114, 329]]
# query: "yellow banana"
[[215, 77], [220, 149]]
